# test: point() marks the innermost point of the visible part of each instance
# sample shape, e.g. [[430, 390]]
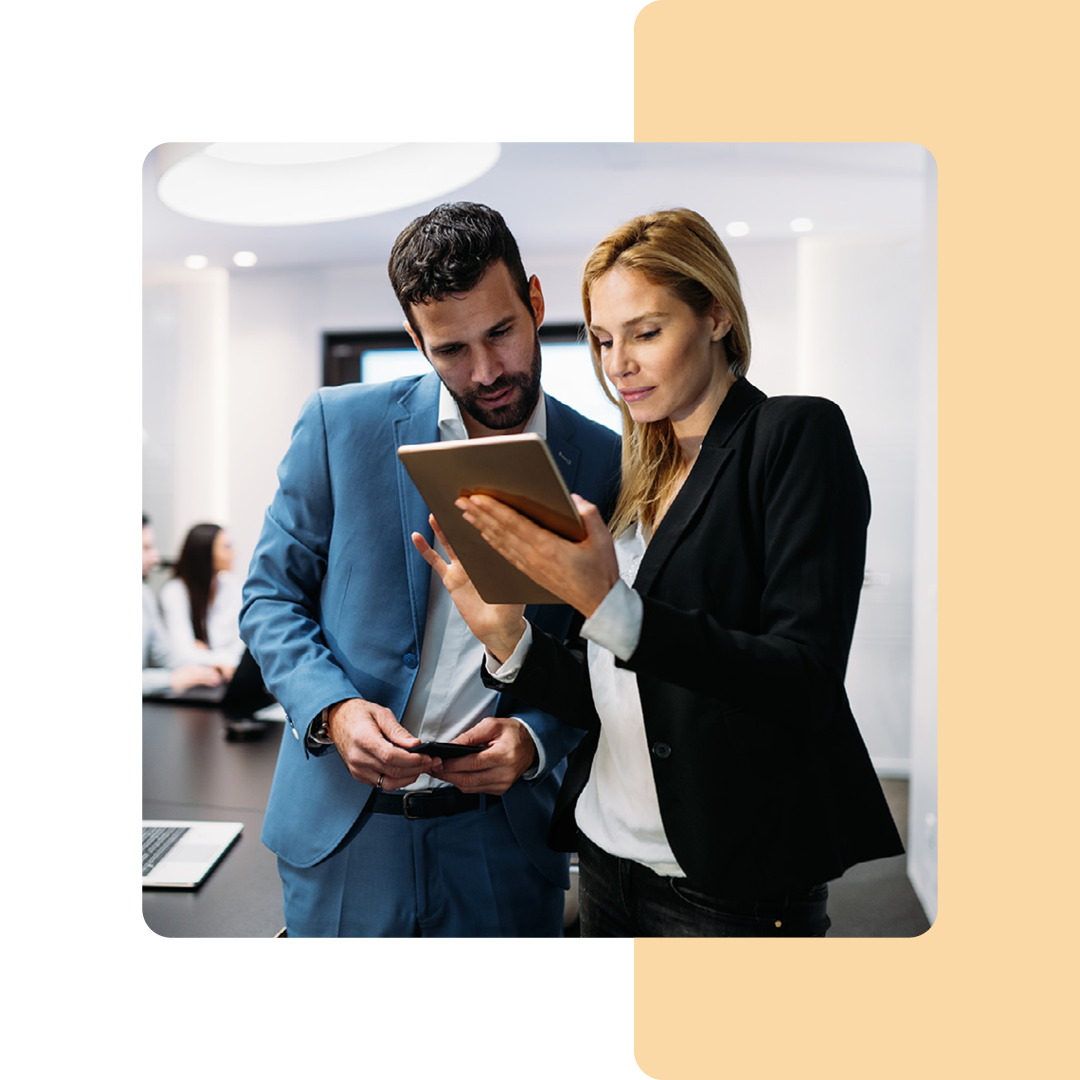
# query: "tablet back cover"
[[516, 469]]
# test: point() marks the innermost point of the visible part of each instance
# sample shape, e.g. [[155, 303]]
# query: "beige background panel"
[[989, 989]]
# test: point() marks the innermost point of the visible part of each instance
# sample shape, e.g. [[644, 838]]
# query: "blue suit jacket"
[[335, 604]]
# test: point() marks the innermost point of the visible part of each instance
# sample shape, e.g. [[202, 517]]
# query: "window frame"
[[343, 350]]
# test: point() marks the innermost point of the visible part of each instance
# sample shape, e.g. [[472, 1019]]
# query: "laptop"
[[179, 854]]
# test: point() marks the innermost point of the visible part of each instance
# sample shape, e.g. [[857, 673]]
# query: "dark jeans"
[[621, 898]]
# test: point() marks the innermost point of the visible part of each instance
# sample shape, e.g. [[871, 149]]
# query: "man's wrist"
[[319, 731], [536, 766]]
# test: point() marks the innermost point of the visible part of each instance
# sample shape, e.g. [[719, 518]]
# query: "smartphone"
[[445, 749]]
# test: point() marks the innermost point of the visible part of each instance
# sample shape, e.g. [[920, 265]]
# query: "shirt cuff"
[[509, 671], [616, 624], [538, 768]]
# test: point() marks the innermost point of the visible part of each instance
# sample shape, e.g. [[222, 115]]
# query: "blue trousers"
[[458, 876], [622, 898]]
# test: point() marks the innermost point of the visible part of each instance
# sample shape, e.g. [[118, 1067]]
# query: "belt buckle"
[[420, 796]]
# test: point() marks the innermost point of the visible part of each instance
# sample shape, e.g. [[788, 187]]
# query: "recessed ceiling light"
[[245, 258], [196, 262], [801, 224], [737, 228], [305, 183]]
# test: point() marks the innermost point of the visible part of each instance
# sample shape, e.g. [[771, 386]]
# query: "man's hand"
[[510, 753], [182, 678], [370, 740]]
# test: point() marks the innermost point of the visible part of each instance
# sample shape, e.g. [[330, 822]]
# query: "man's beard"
[[514, 412]]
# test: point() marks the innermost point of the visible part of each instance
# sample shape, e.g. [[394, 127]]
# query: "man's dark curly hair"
[[448, 251]]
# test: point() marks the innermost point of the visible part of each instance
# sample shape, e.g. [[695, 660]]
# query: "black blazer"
[[750, 588]]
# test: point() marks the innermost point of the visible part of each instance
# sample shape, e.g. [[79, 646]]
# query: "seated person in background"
[[157, 672], [201, 603]]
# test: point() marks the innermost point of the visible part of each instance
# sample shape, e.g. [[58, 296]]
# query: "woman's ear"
[[721, 321]]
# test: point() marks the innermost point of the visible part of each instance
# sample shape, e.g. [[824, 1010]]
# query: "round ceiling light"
[[306, 183]]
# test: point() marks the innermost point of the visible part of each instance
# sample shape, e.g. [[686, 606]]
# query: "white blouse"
[[222, 623], [618, 808]]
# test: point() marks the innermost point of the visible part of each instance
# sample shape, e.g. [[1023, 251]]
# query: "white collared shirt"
[[618, 809], [448, 696]]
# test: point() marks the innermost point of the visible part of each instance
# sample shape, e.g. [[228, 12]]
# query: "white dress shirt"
[[618, 808], [448, 696]]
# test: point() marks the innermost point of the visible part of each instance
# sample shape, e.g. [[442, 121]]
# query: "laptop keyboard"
[[157, 842]]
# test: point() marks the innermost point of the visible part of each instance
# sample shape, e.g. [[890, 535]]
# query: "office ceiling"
[[560, 198]]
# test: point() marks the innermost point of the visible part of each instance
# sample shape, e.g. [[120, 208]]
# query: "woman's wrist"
[[503, 644], [595, 596]]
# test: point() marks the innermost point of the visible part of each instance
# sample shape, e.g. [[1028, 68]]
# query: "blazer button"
[[410, 660], [661, 749]]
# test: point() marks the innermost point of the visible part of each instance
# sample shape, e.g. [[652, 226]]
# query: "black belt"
[[439, 802]]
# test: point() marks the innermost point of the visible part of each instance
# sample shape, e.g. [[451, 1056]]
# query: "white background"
[[90, 89]]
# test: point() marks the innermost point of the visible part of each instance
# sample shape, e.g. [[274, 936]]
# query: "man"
[[367, 654], [158, 675]]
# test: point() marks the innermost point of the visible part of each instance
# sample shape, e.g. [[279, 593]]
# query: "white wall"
[[186, 366], [923, 793], [859, 335], [275, 362], [768, 276]]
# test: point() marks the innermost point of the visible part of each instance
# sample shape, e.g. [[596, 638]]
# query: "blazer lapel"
[[418, 422], [560, 440], [713, 458]]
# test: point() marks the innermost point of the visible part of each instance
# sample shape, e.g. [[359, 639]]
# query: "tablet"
[[515, 469]]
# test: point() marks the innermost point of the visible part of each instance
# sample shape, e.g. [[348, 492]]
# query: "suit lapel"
[[712, 459], [417, 422], [560, 440]]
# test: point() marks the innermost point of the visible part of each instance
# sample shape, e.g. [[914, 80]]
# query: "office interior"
[[835, 245]]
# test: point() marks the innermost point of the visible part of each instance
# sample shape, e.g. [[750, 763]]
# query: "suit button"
[[661, 749], [410, 660]]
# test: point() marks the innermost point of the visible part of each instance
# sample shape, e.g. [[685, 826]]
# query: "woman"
[[201, 603], [722, 780]]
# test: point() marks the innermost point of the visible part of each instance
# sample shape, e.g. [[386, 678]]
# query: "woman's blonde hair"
[[679, 250]]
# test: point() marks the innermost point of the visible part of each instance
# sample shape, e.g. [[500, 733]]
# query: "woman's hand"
[[579, 572], [498, 626]]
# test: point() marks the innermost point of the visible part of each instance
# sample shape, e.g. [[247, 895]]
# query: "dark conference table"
[[190, 771]]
